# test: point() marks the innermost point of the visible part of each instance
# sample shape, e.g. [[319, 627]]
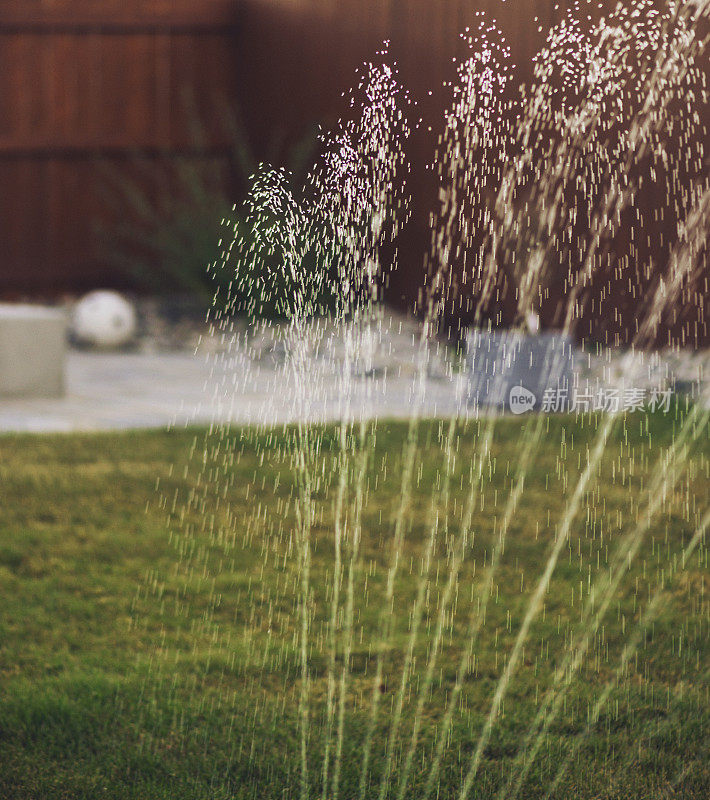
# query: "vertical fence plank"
[[84, 85]]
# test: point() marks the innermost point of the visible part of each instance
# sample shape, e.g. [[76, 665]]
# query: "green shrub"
[[174, 217]]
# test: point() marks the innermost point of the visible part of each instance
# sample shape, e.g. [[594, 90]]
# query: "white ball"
[[104, 319]]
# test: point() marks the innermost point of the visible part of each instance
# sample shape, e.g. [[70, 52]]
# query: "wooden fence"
[[297, 58], [83, 84]]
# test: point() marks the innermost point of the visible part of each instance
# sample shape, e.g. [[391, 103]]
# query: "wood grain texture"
[[107, 14], [296, 59], [82, 81], [86, 84]]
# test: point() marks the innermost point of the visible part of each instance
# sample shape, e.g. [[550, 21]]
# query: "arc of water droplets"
[[667, 474], [447, 721], [692, 237], [571, 509], [344, 220], [570, 311], [649, 615], [469, 125], [351, 197], [511, 506]]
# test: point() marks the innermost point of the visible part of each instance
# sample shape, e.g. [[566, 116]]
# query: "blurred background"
[[130, 127]]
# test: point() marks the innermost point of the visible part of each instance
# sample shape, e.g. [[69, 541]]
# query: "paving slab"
[[32, 348], [118, 391]]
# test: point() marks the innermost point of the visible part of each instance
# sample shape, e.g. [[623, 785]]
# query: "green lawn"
[[149, 632]]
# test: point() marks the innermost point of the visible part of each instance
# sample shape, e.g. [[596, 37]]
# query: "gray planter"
[[513, 370], [32, 351]]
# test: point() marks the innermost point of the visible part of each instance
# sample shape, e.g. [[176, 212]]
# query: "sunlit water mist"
[[476, 606]]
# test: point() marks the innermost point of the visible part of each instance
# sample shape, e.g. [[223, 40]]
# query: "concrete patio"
[[124, 391], [245, 378]]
